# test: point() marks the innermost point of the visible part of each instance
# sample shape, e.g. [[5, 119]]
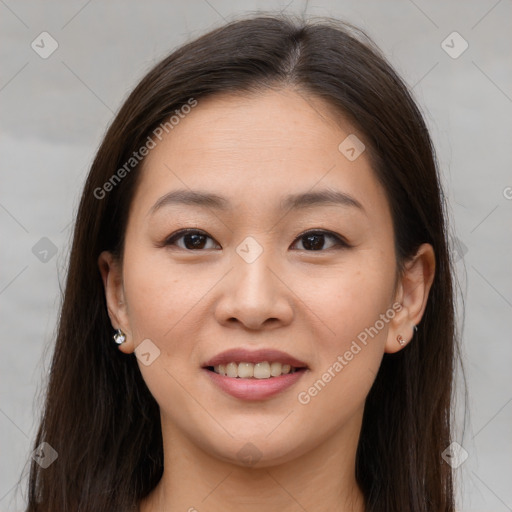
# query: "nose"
[[254, 295]]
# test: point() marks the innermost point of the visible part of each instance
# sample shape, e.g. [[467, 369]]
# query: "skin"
[[195, 303]]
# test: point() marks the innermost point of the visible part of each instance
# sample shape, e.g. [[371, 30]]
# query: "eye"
[[315, 240], [193, 239]]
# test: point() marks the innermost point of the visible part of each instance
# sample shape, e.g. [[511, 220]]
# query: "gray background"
[[54, 112]]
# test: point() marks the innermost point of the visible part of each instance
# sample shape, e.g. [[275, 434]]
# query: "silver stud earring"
[[400, 340], [119, 337]]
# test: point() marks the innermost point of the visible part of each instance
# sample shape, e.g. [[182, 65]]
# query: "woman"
[[258, 311]]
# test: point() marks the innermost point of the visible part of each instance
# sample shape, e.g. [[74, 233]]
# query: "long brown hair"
[[99, 415]]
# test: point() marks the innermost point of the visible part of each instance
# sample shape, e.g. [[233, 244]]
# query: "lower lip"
[[255, 389]]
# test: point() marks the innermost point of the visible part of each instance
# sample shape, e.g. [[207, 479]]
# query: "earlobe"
[[111, 275], [412, 294]]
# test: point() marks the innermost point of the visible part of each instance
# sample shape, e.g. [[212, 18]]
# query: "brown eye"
[[316, 241], [193, 239]]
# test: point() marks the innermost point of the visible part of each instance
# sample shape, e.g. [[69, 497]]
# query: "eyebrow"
[[291, 202]]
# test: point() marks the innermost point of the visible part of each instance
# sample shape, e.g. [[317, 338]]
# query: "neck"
[[320, 479]]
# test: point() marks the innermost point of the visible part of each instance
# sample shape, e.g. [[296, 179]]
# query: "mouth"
[[254, 375]]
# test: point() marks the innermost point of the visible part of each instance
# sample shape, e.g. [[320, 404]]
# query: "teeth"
[[263, 370], [276, 369], [232, 370], [245, 370]]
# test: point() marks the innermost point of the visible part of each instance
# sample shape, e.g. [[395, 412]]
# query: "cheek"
[[355, 311], [169, 305], [151, 305], [349, 352], [162, 303], [158, 296], [353, 300]]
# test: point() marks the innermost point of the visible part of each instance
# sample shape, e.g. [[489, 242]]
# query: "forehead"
[[254, 149]]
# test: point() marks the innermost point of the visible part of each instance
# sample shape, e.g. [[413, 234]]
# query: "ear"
[[111, 273], [412, 294]]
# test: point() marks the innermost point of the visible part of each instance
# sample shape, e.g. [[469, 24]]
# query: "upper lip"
[[254, 356]]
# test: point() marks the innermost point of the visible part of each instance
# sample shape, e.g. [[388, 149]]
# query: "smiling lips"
[[254, 375], [257, 360]]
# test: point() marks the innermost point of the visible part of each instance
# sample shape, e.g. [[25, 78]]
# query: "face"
[[292, 251]]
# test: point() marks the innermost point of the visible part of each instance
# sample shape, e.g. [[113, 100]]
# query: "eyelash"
[[342, 244]]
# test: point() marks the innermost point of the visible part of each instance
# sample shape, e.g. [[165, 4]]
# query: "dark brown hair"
[[99, 415]]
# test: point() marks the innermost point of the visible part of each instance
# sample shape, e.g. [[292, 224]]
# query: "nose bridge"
[[253, 292], [252, 261]]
